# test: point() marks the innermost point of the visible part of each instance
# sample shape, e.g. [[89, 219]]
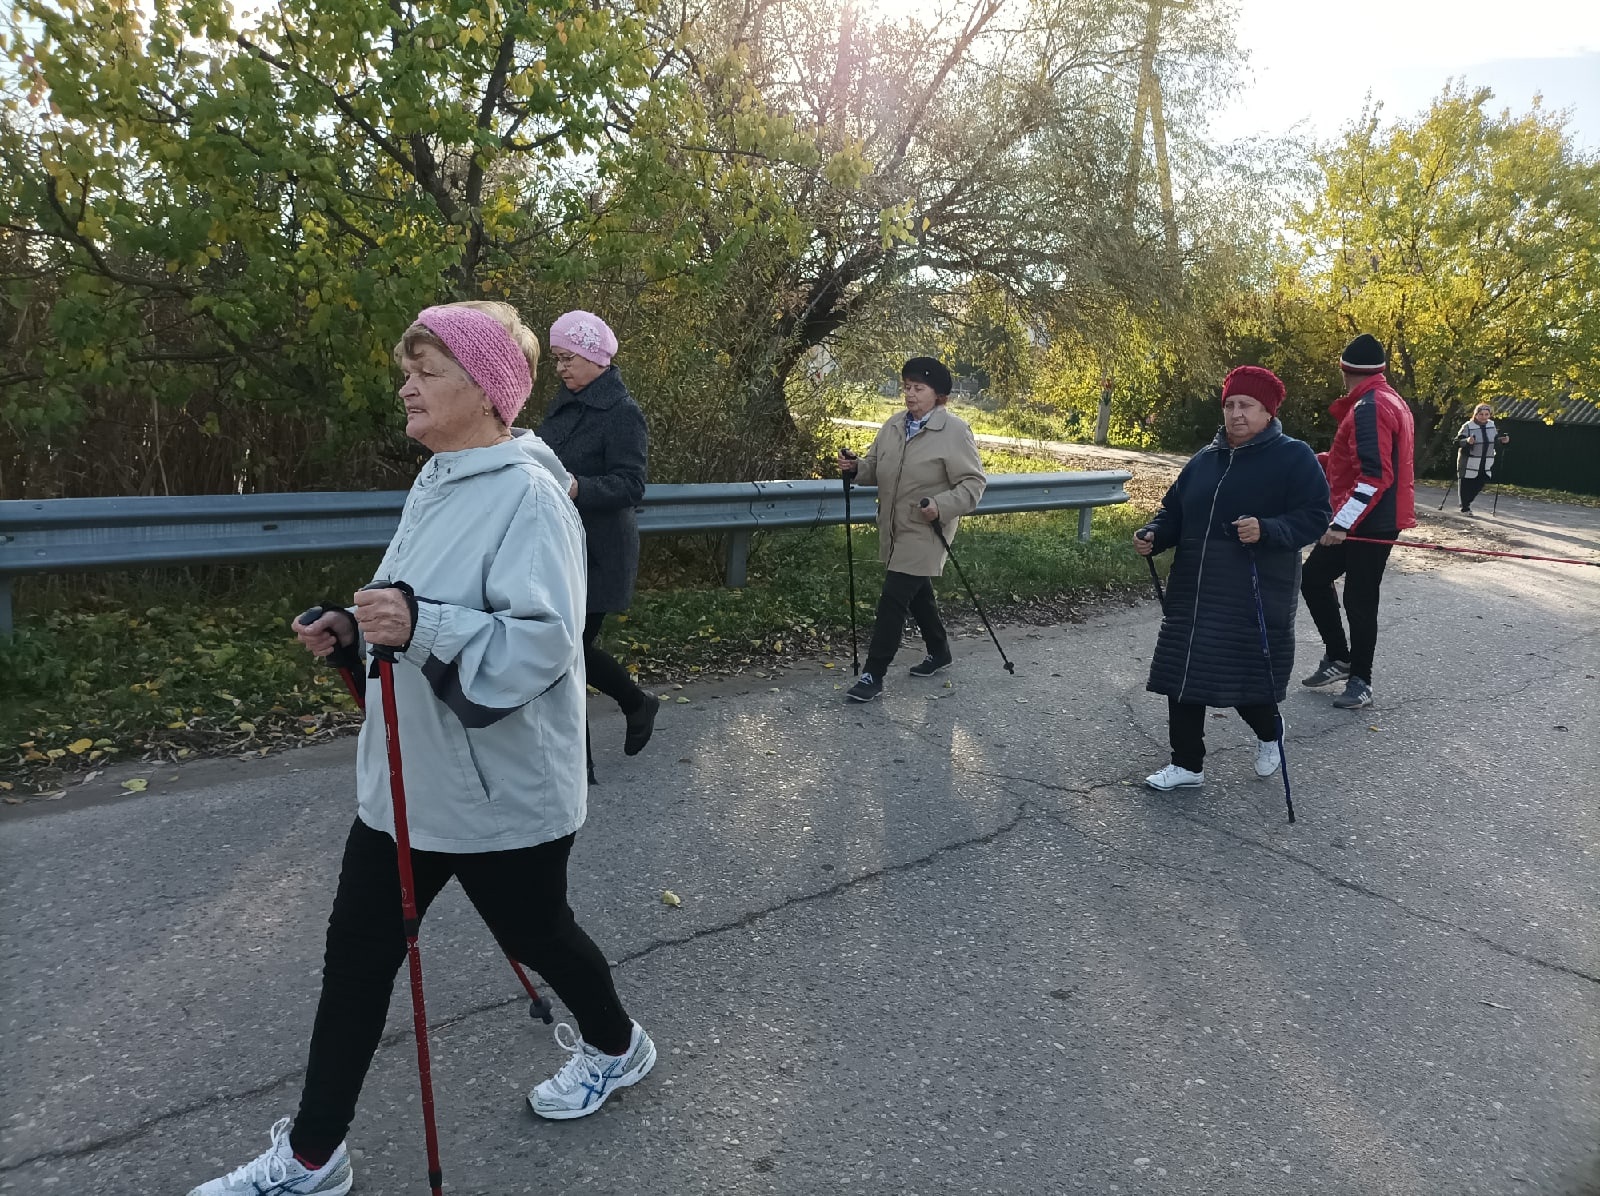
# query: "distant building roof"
[[1577, 411]]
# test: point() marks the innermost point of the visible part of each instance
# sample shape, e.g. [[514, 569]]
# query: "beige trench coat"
[[940, 462]]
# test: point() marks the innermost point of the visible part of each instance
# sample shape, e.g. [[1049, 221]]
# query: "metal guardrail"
[[69, 534]]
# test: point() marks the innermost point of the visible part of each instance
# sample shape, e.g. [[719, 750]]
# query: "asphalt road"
[[943, 943]]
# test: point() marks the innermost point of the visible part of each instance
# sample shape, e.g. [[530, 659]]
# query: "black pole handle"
[[343, 656]]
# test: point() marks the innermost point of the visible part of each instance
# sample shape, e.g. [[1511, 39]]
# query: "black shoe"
[[1466, 510], [931, 665], [865, 689], [641, 723]]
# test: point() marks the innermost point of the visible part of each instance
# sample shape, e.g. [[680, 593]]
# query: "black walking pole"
[[1266, 654], [938, 530], [1461, 473], [1155, 579], [850, 563], [347, 659], [1499, 459]]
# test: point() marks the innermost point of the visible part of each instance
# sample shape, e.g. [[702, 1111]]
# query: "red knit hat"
[[1254, 382]]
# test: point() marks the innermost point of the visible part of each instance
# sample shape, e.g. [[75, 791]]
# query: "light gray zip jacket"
[[491, 690]]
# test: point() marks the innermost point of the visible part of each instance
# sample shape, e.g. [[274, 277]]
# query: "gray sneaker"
[[1357, 693], [279, 1173], [1328, 671]]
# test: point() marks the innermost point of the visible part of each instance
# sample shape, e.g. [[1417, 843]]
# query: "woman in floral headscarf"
[[598, 431]]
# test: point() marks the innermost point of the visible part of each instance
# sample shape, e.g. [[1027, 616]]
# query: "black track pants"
[[1186, 729], [903, 592], [521, 895], [605, 674], [1361, 566]]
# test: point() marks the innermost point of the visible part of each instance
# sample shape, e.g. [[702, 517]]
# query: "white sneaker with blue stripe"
[[279, 1173], [590, 1076]]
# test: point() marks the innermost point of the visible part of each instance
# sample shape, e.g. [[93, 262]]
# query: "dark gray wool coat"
[[1209, 649], [599, 434]]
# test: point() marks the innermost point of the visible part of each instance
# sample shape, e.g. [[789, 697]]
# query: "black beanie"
[[929, 370], [1364, 355]]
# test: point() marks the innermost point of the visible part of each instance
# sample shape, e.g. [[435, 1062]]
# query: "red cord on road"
[[1517, 556]]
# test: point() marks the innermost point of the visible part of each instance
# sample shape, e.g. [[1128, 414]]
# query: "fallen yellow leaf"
[[668, 897], [80, 746], [136, 785]]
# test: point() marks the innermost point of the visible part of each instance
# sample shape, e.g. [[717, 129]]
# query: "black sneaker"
[[931, 665], [1328, 671], [865, 689], [641, 724], [1357, 693]]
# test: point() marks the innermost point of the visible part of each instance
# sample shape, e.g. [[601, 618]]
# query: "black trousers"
[[1186, 729], [605, 674], [1471, 488], [902, 593], [1361, 566], [521, 895]]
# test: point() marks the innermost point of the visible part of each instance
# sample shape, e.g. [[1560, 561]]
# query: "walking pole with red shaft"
[[408, 907], [347, 660]]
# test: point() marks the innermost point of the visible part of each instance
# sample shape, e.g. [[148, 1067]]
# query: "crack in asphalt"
[[753, 917], [1019, 816], [1343, 882]]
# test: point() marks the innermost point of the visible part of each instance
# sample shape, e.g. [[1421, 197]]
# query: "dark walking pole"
[[1499, 459], [938, 530], [1266, 655], [1155, 579], [347, 660], [1461, 473], [850, 563]]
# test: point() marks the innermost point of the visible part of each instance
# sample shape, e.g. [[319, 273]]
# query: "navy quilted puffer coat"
[[1209, 650]]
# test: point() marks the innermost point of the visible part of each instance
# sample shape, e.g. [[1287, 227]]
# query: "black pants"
[[1471, 488], [605, 674], [1361, 566], [903, 592], [521, 895], [1186, 729]]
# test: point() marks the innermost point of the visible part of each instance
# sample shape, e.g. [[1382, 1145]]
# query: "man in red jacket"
[[1370, 481]]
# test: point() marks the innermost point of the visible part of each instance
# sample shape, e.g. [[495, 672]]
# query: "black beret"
[[929, 370]]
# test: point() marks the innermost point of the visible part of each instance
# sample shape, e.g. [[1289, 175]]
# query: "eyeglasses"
[[563, 358]]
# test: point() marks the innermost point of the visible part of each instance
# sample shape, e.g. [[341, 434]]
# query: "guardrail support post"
[[1085, 514], [738, 558], [5, 607]]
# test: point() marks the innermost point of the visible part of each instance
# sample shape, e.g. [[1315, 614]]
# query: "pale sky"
[[1315, 63]]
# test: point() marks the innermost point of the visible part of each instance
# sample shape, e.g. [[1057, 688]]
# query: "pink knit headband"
[[486, 351]]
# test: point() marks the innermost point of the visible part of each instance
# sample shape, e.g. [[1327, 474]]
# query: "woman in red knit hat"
[[1252, 495]]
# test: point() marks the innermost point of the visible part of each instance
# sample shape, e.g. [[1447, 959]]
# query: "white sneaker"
[[1268, 756], [279, 1173], [589, 1076], [1173, 777]]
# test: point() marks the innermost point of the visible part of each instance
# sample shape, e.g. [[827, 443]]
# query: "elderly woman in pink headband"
[[489, 685], [598, 431]]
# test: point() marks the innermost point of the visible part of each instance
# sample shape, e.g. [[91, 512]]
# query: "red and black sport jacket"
[[1371, 465]]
